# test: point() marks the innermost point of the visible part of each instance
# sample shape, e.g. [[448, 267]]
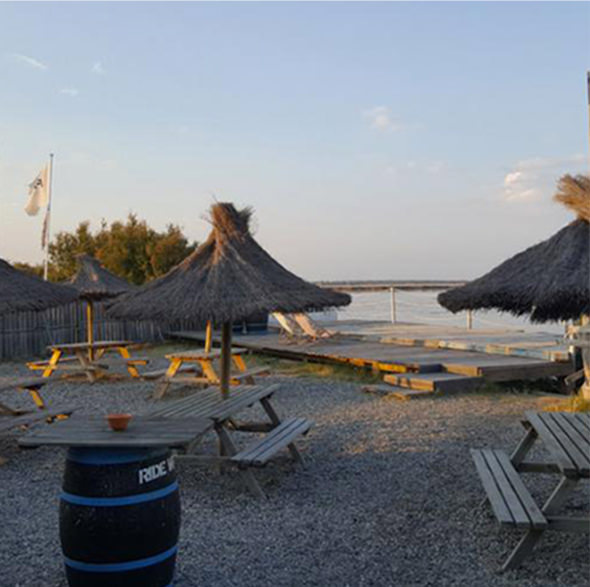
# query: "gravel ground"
[[389, 497]]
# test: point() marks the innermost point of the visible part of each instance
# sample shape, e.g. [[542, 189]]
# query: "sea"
[[420, 306]]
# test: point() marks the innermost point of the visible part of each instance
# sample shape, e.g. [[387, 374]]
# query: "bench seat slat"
[[493, 492], [259, 453], [510, 499], [536, 517]]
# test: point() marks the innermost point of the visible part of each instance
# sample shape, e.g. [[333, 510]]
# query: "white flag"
[[38, 192]]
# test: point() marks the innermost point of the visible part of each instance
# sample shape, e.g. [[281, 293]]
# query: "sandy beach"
[[389, 496]]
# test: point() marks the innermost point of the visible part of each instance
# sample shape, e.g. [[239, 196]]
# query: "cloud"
[[535, 178], [98, 68], [73, 92], [380, 118], [30, 61]]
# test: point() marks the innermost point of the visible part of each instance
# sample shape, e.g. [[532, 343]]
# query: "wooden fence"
[[27, 334]]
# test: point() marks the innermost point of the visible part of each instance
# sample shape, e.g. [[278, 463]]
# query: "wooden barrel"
[[119, 517]]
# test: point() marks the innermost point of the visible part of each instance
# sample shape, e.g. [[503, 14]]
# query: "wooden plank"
[[143, 431], [552, 443], [407, 394], [259, 453], [433, 381], [517, 511], [210, 403], [533, 512], [497, 501], [574, 444], [8, 422]]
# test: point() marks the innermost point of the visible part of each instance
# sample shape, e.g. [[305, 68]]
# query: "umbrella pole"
[[208, 336], [225, 357], [89, 327]]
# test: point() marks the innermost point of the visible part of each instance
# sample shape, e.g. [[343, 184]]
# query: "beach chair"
[[300, 327]]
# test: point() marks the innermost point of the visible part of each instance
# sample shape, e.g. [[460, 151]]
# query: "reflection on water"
[[421, 306]]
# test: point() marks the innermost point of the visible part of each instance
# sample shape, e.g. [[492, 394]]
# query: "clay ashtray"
[[118, 422]]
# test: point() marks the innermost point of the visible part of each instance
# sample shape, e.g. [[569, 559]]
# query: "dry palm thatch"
[[228, 278], [550, 280], [20, 291], [574, 192], [94, 282]]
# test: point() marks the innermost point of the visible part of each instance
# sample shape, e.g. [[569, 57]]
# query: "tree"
[[131, 249]]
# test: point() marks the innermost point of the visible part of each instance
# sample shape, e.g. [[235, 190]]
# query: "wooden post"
[[208, 336], [89, 327], [584, 336], [225, 357], [469, 319], [393, 308]]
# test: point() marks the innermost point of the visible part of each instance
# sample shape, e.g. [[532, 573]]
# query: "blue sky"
[[375, 140]]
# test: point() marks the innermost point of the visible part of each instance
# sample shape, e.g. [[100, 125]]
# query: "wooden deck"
[[425, 366]]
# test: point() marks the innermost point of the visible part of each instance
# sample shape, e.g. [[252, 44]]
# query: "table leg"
[[241, 366], [524, 446], [229, 449], [559, 495], [239, 363], [162, 387], [522, 550], [124, 352], [34, 391], [274, 418], [209, 371], [86, 366], [52, 363]]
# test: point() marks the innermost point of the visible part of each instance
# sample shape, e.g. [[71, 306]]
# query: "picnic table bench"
[[201, 362], [32, 386], [566, 436], [88, 358], [222, 411]]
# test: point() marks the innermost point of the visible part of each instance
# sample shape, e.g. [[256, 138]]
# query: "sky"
[[374, 140]]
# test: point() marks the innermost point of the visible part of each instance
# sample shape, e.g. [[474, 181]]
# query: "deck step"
[[400, 393], [443, 382]]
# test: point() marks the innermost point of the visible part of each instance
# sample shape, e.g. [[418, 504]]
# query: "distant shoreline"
[[368, 285]]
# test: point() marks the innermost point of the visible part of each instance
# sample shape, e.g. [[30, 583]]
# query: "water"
[[422, 307]]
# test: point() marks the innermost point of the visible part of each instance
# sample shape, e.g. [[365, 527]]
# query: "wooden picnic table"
[[125, 483], [566, 436], [85, 357], [223, 412], [204, 363]]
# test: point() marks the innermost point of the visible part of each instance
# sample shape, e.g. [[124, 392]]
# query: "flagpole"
[[48, 218]]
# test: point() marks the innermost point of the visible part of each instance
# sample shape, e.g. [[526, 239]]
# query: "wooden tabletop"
[[209, 403], [143, 431], [201, 354], [98, 344], [567, 437]]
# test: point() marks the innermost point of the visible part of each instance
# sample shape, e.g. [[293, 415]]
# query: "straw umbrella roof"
[[20, 291], [550, 280], [94, 282], [228, 278]]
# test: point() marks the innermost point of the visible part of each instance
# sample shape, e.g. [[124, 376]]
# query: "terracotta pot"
[[119, 422]]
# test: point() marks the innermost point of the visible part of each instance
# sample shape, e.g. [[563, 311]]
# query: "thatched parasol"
[[20, 291], [94, 282], [228, 278], [550, 280]]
